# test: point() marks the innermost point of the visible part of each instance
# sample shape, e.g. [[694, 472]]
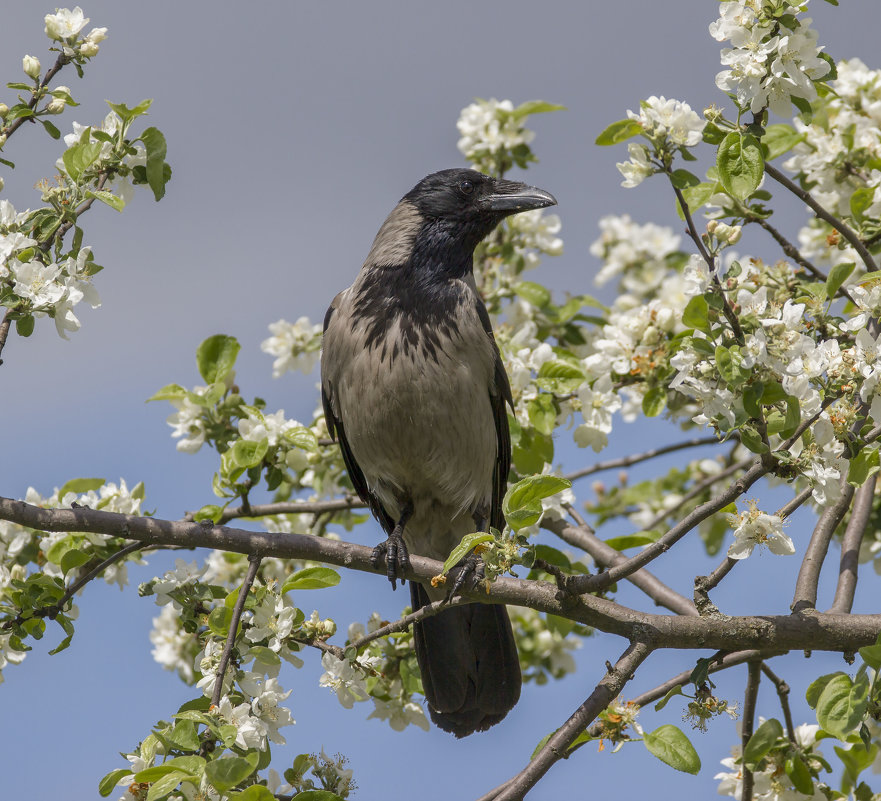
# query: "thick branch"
[[837, 224], [809, 574], [627, 461], [815, 631], [850, 547], [557, 746], [749, 717]]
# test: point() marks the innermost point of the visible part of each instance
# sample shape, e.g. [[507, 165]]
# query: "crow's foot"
[[393, 552], [468, 573]]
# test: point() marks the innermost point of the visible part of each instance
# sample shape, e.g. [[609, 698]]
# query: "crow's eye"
[[466, 187]]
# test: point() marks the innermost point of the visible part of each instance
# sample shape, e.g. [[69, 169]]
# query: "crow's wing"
[[337, 430], [499, 395]]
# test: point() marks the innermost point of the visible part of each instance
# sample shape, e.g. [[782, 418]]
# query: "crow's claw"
[[471, 570], [393, 552]]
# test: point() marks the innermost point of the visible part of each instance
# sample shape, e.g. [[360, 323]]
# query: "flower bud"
[[31, 66], [2, 184], [88, 50], [329, 627], [96, 35], [4, 110], [65, 89], [711, 226], [2, 140], [56, 105]]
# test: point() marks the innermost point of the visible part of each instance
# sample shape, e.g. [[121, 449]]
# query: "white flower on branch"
[[755, 527], [294, 344], [65, 24]]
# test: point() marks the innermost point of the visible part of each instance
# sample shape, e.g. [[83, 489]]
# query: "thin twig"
[[787, 509], [627, 461], [4, 330], [783, 694], [557, 746], [749, 715], [253, 564], [703, 584], [792, 251], [60, 62], [850, 547], [605, 555], [287, 508], [404, 623], [837, 224], [584, 584]]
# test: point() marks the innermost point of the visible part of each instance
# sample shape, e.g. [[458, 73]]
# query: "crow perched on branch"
[[414, 389]]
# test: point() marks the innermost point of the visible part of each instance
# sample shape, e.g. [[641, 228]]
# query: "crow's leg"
[[393, 551], [468, 573]]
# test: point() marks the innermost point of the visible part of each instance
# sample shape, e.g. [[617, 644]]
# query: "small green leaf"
[[211, 512], [696, 314], [654, 401], [169, 392], [311, 578], [677, 690], [815, 689], [24, 326], [800, 774], [533, 293], [842, 704], [73, 559], [619, 131], [224, 774], [837, 276], [467, 544], [778, 139], [219, 620], [626, 541], [683, 179], [80, 485], [865, 464], [216, 356], [728, 363], [740, 164], [669, 744], [79, 157], [761, 742], [246, 453], [109, 782], [157, 176], [128, 114], [51, 129], [871, 655], [257, 792], [164, 785], [114, 201], [522, 503]]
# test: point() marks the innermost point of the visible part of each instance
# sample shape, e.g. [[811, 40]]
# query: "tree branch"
[[405, 622], [815, 631], [287, 508], [850, 547], [584, 584], [783, 693], [557, 746], [749, 716], [60, 62], [837, 224], [809, 575], [253, 564], [627, 461]]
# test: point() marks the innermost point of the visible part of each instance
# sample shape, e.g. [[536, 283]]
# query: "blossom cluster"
[[774, 59], [490, 131]]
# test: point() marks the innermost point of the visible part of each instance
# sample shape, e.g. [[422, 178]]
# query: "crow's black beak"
[[510, 197]]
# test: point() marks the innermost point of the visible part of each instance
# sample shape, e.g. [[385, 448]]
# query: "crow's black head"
[[466, 205]]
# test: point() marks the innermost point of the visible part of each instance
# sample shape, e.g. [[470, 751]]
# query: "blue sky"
[[293, 128]]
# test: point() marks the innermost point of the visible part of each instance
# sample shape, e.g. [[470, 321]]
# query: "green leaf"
[[800, 774], [216, 356], [860, 200], [114, 201], [815, 689], [157, 176], [671, 746], [224, 774], [533, 293], [169, 392], [318, 795], [683, 179], [865, 464], [761, 742], [257, 792], [696, 314], [618, 132], [740, 164], [24, 326], [247, 453], [729, 366], [51, 129], [465, 546], [653, 401], [535, 107], [165, 784], [695, 196], [79, 157], [837, 276], [560, 376], [311, 578], [301, 437], [871, 654], [109, 782], [677, 690], [856, 760], [80, 485], [842, 705], [72, 559], [626, 541], [522, 503], [219, 620], [211, 512], [128, 114], [543, 413], [778, 139]]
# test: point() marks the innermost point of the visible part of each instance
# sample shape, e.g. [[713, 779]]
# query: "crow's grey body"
[[415, 391]]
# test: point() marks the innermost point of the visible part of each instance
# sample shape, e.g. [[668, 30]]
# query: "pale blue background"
[[293, 128]]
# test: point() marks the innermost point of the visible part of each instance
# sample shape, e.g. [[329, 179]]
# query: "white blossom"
[[294, 344], [64, 23]]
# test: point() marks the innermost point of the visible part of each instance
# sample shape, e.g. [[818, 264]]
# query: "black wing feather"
[[499, 395], [338, 432]]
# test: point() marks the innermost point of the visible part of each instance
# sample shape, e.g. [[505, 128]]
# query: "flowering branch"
[[36, 94], [557, 746]]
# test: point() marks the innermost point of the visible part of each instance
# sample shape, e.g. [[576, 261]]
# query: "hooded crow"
[[415, 392]]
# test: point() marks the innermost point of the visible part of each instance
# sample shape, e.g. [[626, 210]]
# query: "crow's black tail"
[[469, 664]]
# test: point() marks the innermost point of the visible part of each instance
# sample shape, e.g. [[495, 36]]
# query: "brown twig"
[[253, 564], [60, 62], [749, 715], [627, 461], [557, 746], [405, 622], [783, 693], [4, 330], [837, 224], [287, 508], [850, 547]]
